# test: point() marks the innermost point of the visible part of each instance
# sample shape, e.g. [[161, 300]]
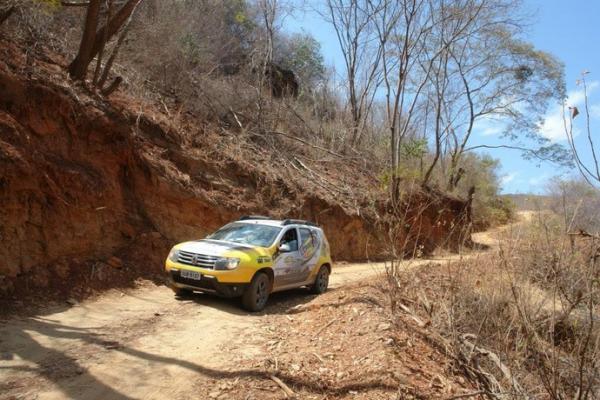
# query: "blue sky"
[[568, 29]]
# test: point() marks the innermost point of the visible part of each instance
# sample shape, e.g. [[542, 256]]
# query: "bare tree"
[[493, 76], [97, 70], [354, 25], [115, 52], [577, 202], [415, 36], [269, 13], [412, 61], [93, 40], [589, 167], [78, 68]]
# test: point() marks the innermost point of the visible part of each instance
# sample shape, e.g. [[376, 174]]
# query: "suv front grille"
[[197, 260]]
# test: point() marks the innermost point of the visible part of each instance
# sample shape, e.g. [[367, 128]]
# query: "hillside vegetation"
[[127, 126], [133, 122], [96, 189]]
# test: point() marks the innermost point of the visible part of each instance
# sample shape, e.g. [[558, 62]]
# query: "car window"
[[252, 234], [308, 238], [291, 238], [309, 242]]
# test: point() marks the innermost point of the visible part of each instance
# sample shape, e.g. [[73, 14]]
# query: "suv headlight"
[[226, 263], [173, 254]]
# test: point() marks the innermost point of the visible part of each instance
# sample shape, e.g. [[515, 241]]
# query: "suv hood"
[[212, 247]]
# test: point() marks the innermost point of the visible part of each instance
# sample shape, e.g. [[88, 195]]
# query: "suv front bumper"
[[208, 284]]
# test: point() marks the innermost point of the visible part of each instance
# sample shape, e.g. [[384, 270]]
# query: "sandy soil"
[[139, 344], [145, 344]]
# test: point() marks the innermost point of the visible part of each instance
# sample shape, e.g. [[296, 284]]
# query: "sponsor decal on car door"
[[295, 266], [283, 263], [310, 250]]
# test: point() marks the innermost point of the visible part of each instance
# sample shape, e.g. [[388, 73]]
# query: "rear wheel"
[[256, 294], [321, 282]]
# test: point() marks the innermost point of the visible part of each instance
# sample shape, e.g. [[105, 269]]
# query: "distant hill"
[[527, 201]]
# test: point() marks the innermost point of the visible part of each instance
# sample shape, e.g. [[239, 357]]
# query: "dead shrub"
[[526, 315]]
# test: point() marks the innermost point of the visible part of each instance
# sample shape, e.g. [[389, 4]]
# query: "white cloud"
[[577, 97], [553, 127], [508, 178], [491, 131], [488, 126], [538, 180]]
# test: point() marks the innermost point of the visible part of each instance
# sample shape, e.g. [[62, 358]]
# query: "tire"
[[321, 281], [257, 293]]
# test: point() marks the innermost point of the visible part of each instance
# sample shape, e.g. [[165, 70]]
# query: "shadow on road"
[[279, 303], [75, 382], [54, 365]]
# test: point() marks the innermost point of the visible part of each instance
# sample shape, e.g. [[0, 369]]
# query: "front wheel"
[[182, 293], [321, 282], [256, 294]]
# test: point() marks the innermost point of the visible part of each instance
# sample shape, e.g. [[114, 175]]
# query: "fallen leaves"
[[341, 345]]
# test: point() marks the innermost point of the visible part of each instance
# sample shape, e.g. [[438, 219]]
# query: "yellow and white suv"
[[251, 258]]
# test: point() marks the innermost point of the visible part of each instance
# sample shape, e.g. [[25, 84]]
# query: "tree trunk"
[[456, 172], [469, 204], [115, 52], [109, 6], [112, 87], [455, 177], [438, 148], [78, 68], [354, 110]]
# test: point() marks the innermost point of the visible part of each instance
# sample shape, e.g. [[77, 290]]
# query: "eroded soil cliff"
[[93, 192]]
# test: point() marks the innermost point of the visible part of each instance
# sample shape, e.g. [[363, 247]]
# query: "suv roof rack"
[[298, 221], [247, 217]]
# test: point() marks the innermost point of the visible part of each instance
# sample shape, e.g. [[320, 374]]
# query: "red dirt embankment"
[[93, 192]]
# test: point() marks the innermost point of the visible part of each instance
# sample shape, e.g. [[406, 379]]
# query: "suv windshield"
[[252, 234]]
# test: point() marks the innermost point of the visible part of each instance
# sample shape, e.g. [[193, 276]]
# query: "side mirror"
[[285, 248]]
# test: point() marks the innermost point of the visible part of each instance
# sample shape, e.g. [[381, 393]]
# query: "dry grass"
[[521, 320]]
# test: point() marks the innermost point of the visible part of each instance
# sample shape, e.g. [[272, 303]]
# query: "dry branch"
[[116, 49], [585, 234], [419, 321], [288, 392], [316, 335], [491, 387], [309, 144], [112, 87], [471, 348]]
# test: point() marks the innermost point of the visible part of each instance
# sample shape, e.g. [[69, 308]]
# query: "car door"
[[285, 263], [310, 251]]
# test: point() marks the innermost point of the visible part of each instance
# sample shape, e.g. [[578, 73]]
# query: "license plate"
[[190, 274]]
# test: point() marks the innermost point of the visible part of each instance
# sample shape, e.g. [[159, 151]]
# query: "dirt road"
[[145, 344]]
